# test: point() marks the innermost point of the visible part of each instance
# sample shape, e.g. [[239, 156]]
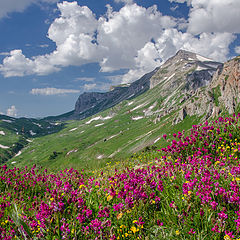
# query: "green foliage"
[[216, 93], [183, 191]]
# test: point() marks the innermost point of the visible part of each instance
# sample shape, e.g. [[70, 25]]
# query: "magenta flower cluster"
[[189, 190]]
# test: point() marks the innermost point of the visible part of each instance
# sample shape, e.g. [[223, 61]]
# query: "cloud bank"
[[52, 91], [134, 38]]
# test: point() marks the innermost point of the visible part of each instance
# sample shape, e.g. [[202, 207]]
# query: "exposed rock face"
[[228, 79], [185, 67], [185, 85], [179, 81], [90, 103], [223, 93]]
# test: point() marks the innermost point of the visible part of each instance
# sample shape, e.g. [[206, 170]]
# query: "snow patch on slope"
[[99, 118], [8, 121], [139, 106], [157, 140], [4, 147], [137, 118], [201, 68], [72, 151], [37, 124], [98, 125], [32, 133], [74, 129], [203, 59], [18, 154]]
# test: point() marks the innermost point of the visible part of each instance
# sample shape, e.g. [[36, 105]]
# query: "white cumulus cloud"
[[134, 38], [213, 15], [12, 111], [90, 86], [17, 65], [52, 91]]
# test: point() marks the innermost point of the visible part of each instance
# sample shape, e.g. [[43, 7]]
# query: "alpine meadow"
[[120, 120]]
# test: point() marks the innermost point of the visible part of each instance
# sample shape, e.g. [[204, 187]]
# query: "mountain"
[[187, 69], [227, 80], [15, 133], [185, 90], [221, 95], [90, 103]]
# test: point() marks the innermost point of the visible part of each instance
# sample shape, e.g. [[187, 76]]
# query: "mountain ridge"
[[90, 103], [182, 96]]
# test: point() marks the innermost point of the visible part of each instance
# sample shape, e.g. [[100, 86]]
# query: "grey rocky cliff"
[[227, 79], [180, 81], [90, 103], [221, 94], [187, 84]]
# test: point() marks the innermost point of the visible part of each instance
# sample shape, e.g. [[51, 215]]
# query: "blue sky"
[[52, 51]]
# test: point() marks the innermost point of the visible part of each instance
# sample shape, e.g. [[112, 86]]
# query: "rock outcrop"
[[227, 79], [221, 94], [185, 85], [90, 103]]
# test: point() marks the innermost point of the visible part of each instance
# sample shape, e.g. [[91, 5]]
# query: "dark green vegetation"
[[111, 136], [188, 190], [17, 132]]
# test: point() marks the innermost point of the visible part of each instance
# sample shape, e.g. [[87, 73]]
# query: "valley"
[[175, 96], [163, 164]]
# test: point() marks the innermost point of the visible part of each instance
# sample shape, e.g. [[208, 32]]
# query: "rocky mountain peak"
[[90, 103], [186, 68], [222, 94], [186, 55]]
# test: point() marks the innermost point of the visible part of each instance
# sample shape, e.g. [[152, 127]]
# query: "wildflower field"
[[188, 190]]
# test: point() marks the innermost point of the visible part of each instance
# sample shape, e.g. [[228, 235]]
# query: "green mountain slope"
[[107, 137], [181, 94], [15, 133]]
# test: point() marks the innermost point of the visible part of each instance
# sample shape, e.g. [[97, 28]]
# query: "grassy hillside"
[[15, 133], [110, 136], [186, 190]]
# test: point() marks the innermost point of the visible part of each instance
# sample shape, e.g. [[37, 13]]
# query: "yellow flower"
[[227, 237], [134, 229], [134, 221], [51, 199], [109, 198], [177, 232], [119, 215], [81, 186]]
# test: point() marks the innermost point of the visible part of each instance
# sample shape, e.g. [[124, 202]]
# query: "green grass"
[[17, 131]]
